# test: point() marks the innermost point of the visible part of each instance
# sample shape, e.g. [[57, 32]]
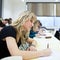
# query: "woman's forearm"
[[32, 41], [34, 54], [26, 55], [13, 49]]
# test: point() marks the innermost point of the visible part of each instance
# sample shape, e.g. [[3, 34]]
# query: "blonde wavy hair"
[[37, 24], [22, 34]]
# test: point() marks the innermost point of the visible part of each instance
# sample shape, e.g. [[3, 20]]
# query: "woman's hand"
[[47, 52], [32, 48], [37, 35]]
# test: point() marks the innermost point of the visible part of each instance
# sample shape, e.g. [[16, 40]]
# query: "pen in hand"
[[48, 45]]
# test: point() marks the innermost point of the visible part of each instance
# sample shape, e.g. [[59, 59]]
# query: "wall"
[[42, 0], [50, 22], [12, 8]]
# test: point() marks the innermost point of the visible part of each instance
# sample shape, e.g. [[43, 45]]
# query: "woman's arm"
[[32, 41], [33, 44], [13, 49]]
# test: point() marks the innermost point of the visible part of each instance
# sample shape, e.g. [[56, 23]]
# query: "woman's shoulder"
[[8, 28], [8, 31]]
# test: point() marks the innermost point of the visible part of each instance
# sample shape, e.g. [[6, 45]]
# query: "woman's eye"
[[31, 20]]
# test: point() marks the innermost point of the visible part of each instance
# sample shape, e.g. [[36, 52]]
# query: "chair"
[[57, 35], [13, 58]]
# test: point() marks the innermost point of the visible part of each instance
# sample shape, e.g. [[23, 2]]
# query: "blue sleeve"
[[7, 31], [32, 34]]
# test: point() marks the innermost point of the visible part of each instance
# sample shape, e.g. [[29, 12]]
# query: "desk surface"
[[54, 56], [54, 45]]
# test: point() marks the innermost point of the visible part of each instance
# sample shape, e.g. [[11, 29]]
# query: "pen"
[[48, 45]]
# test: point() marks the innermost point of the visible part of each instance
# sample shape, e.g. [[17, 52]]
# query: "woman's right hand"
[[46, 52]]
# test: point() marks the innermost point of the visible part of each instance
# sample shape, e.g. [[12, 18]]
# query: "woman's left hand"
[[32, 48]]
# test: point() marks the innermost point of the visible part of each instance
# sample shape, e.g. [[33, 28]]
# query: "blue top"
[[32, 33]]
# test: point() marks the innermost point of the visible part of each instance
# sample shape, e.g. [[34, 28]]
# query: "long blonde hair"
[[22, 34], [37, 24]]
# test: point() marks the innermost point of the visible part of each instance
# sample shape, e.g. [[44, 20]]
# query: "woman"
[[35, 29], [11, 37]]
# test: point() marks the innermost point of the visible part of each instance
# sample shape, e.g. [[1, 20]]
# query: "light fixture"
[[23, 0], [56, 0]]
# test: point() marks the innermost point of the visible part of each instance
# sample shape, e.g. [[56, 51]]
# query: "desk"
[[54, 56], [12, 58], [54, 44]]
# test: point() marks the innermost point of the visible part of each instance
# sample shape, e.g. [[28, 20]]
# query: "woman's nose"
[[32, 24]]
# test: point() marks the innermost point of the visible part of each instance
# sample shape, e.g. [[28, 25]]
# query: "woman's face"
[[28, 24]]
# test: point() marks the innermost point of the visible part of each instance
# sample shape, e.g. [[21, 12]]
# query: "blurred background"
[[47, 11]]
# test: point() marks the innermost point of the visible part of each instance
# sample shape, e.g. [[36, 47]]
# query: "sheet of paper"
[[54, 56]]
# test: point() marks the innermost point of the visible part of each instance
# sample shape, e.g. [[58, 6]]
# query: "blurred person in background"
[[5, 22], [10, 21], [35, 29]]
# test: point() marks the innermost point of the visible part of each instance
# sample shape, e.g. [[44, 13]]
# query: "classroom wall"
[[12, 8], [50, 22]]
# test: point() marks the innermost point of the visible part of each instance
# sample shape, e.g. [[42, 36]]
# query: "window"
[[47, 12], [44, 8]]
